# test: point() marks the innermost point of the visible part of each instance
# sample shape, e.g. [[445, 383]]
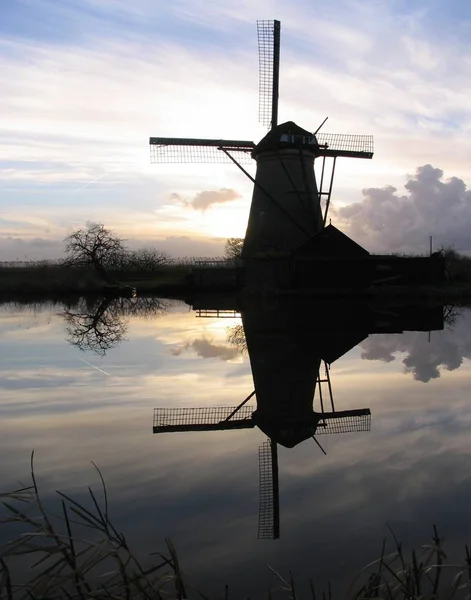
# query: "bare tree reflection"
[[236, 338], [100, 324], [451, 314]]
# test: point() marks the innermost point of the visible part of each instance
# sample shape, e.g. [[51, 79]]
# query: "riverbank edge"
[[450, 293]]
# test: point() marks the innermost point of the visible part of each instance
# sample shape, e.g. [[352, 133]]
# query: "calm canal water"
[[80, 384]]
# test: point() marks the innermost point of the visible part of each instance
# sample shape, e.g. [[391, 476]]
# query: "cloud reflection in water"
[[424, 357]]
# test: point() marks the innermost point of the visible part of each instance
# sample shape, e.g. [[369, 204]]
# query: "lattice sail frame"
[[269, 507], [345, 422], [210, 151], [202, 419], [268, 33], [215, 418], [199, 151], [346, 144]]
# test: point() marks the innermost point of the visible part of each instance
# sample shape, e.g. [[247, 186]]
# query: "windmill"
[[286, 208], [289, 431]]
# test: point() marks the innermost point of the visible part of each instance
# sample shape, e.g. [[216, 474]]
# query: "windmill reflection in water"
[[291, 347], [285, 428]]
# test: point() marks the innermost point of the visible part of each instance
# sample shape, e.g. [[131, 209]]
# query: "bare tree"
[[146, 260], [95, 246], [233, 248], [236, 338]]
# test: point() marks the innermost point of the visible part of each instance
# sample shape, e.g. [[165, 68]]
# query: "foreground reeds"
[[79, 554]]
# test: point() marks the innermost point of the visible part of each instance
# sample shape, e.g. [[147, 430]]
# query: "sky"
[[85, 83]]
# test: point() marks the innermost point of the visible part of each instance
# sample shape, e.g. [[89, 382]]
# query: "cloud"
[[207, 349], [14, 248], [204, 200], [424, 359], [38, 382], [17, 247], [184, 246], [386, 220]]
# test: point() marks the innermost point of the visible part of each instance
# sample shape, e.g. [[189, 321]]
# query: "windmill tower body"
[[285, 209], [285, 367]]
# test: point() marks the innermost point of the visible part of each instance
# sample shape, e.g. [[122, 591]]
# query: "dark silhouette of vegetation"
[[96, 258], [99, 260], [233, 248], [45, 277], [99, 248], [74, 551], [457, 266], [236, 338], [144, 260], [80, 553], [94, 246], [100, 324]]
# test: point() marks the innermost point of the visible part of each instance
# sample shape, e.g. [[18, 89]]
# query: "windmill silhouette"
[[287, 363], [286, 208], [291, 346], [289, 432]]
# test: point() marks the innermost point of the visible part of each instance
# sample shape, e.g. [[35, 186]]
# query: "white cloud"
[[14, 248], [100, 103], [386, 220]]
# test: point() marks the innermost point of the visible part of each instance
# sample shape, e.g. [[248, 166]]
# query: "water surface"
[[73, 400]]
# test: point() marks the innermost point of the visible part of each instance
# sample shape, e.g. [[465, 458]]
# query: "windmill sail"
[[195, 150], [211, 418], [344, 421], [343, 144], [269, 71], [269, 507]]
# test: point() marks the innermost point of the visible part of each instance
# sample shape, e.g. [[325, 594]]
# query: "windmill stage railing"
[[216, 263], [220, 313]]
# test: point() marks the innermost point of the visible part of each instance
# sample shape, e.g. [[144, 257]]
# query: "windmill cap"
[[286, 135], [285, 430]]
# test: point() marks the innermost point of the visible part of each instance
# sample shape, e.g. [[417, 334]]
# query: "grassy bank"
[[172, 279], [50, 278]]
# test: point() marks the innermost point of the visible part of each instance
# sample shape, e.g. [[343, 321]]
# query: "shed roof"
[[330, 242]]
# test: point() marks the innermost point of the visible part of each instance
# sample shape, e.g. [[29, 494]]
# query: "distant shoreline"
[[57, 281], [51, 279]]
